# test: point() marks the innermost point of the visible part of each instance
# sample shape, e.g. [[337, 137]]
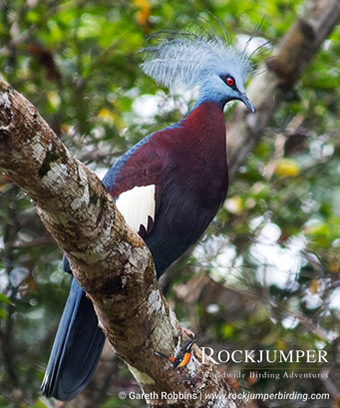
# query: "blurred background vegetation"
[[266, 274]]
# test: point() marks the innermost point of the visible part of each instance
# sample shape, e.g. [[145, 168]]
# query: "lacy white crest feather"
[[186, 59]]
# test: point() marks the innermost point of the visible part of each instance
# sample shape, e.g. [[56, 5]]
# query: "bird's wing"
[[134, 182]]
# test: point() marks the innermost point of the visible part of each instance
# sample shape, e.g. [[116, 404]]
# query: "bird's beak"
[[246, 101]]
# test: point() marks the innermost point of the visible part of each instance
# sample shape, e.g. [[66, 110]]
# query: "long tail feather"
[[76, 350]]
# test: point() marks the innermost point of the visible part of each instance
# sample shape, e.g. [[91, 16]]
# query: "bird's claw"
[[188, 332]]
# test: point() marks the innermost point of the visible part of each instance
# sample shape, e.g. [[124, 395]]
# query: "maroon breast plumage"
[[182, 180]]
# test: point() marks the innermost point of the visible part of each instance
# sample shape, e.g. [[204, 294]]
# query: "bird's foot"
[[188, 332]]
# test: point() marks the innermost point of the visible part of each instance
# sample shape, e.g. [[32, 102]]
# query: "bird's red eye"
[[230, 81]]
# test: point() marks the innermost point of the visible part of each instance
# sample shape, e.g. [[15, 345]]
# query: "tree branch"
[[280, 74], [111, 263]]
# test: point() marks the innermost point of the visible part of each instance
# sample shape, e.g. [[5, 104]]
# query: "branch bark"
[[112, 263], [280, 74]]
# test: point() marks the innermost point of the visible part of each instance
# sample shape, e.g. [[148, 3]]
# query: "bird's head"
[[223, 87], [190, 60]]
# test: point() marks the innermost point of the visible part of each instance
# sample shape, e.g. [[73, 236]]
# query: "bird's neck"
[[204, 129], [205, 117], [211, 91]]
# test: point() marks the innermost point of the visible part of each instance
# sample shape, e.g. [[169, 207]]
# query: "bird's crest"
[[186, 58]]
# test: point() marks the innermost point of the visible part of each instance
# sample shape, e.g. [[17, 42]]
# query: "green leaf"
[[3, 314], [4, 299]]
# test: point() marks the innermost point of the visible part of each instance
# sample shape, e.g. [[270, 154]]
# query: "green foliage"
[[274, 247]]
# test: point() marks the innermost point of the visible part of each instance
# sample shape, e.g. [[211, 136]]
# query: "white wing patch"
[[137, 205]]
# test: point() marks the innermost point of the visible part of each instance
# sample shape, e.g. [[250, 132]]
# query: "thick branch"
[[111, 263], [280, 74]]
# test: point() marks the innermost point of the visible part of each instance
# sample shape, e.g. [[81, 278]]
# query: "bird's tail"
[[76, 350]]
